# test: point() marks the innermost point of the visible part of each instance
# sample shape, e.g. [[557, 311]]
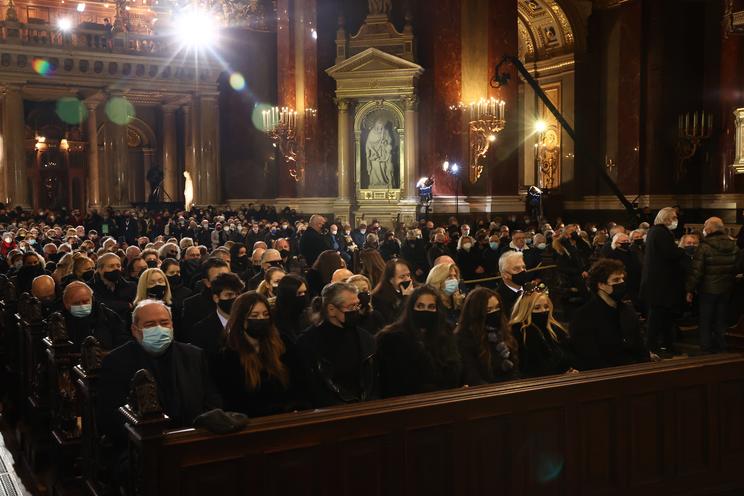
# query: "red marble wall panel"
[[629, 106], [285, 40]]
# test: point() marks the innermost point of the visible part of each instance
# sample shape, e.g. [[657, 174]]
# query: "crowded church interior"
[[382, 247]]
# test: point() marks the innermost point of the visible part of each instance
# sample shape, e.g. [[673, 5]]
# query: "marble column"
[[118, 164], [170, 181], [194, 163], [94, 177], [13, 148], [189, 149], [345, 173], [209, 161], [411, 175]]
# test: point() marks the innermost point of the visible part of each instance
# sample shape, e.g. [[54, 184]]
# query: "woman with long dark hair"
[[320, 274], [291, 307], [393, 289], [252, 370], [489, 351], [418, 353]]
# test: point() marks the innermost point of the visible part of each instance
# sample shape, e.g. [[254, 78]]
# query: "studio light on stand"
[[454, 170], [425, 187], [534, 203]]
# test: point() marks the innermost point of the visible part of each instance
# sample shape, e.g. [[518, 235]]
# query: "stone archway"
[[547, 44]]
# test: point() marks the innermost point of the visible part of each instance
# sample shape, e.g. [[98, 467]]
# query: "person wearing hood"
[[712, 275], [606, 331]]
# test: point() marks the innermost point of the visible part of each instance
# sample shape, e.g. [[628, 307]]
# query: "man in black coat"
[[84, 316], [662, 281], [313, 243], [270, 258], [513, 277], [180, 370], [110, 288], [129, 229], [200, 305], [606, 331], [207, 333]]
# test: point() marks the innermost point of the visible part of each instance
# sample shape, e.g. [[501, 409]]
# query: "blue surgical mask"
[[156, 339], [451, 286], [80, 311], [494, 245]]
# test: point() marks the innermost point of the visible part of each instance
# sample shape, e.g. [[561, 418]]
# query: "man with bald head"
[[714, 267], [313, 242], [84, 316], [341, 275], [269, 258], [44, 289]]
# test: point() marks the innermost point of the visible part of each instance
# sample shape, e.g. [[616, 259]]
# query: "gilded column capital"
[[411, 103], [343, 104]]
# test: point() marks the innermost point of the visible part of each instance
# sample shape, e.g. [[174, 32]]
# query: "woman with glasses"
[[543, 341], [337, 355], [418, 353]]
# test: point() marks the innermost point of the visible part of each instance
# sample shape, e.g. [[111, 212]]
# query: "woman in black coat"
[[291, 308], [469, 259], [418, 353], [489, 351], [393, 290]]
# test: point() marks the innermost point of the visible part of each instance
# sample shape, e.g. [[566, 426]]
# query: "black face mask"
[[175, 280], [112, 276], [623, 246], [226, 305], [364, 299], [426, 320], [151, 264], [521, 279], [351, 318], [157, 291], [258, 328], [405, 284], [540, 319], [87, 275], [638, 242], [298, 303], [690, 250], [493, 319], [284, 254], [276, 263], [618, 291]]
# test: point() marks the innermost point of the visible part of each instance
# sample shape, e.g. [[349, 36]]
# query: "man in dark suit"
[[207, 333], [606, 331], [180, 371], [129, 228], [198, 306], [313, 243], [110, 287], [84, 316], [662, 281], [513, 278]]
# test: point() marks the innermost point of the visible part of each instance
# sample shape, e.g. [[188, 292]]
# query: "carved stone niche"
[[738, 164]]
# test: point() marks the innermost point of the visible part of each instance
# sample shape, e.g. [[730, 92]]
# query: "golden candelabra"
[[286, 129], [693, 130], [486, 118]]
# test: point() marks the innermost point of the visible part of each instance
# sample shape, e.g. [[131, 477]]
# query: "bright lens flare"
[[541, 126], [237, 81], [64, 24], [42, 67], [196, 29]]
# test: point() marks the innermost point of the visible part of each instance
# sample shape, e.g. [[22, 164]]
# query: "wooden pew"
[[62, 356], [666, 428], [8, 347], [95, 471]]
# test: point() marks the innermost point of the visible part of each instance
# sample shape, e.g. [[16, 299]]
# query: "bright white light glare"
[[196, 29], [455, 168], [314, 34], [64, 24], [445, 166], [491, 138], [421, 182], [81, 7], [541, 126]]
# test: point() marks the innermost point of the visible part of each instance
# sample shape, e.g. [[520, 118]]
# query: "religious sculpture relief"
[[380, 151], [378, 7]]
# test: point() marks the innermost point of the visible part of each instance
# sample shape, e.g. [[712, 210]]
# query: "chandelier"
[[486, 118], [288, 130]]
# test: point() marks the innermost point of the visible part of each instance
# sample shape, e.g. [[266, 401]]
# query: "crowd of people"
[[261, 312]]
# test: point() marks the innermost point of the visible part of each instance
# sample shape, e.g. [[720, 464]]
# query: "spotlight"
[[314, 34], [196, 29], [81, 7], [541, 126], [424, 186], [491, 138], [64, 24], [445, 166], [455, 168]]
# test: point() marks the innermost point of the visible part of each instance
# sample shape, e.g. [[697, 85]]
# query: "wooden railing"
[[669, 428]]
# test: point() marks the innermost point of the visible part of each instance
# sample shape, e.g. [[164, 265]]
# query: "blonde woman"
[[83, 269], [153, 285], [543, 341], [64, 268], [445, 278], [268, 286]]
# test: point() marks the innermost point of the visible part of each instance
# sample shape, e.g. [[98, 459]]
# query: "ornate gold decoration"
[[548, 158], [288, 129], [134, 140], [380, 7], [486, 118]]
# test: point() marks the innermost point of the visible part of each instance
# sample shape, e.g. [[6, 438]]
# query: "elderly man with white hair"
[[622, 250], [513, 276], [180, 371], [662, 281], [714, 267]]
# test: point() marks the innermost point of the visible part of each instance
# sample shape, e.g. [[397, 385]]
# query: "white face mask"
[[673, 225]]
